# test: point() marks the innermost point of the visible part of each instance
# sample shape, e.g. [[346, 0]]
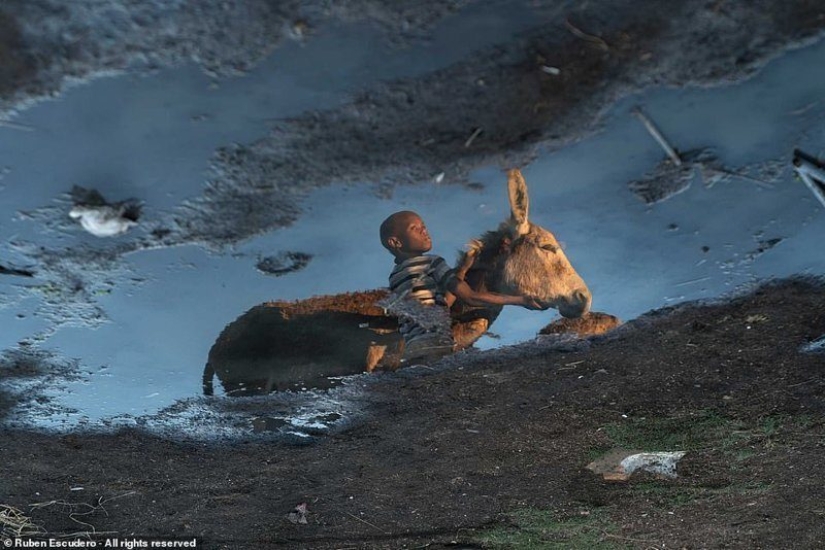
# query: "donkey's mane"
[[490, 251]]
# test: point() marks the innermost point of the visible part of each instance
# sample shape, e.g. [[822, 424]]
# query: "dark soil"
[[490, 448]]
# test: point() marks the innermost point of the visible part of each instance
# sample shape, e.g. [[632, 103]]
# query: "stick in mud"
[[811, 173], [657, 135], [593, 39], [472, 138], [17, 272]]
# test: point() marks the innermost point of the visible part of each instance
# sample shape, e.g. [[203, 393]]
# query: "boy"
[[428, 279]]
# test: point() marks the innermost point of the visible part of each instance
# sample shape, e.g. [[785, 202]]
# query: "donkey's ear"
[[519, 203]]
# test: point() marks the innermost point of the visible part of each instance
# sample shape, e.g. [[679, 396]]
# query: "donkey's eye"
[[550, 247]]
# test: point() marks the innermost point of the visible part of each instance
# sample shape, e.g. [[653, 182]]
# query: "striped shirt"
[[426, 278]]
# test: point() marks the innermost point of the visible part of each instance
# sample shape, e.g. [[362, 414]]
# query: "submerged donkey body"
[[276, 344]]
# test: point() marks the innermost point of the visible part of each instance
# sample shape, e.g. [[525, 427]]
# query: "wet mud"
[[283, 263], [467, 451]]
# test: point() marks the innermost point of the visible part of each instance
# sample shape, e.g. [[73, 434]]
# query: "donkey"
[[278, 344], [519, 258]]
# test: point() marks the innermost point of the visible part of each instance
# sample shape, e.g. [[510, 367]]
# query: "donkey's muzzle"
[[577, 305]]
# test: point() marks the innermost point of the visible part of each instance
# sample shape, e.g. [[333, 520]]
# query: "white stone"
[[102, 221], [661, 463]]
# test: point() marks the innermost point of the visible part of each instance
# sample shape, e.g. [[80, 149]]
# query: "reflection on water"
[[283, 346], [634, 257]]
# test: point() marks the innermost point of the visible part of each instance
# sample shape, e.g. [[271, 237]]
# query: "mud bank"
[[490, 450], [48, 44]]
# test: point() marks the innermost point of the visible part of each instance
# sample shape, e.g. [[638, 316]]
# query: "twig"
[[692, 281], [660, 139], [425, 367], [19, 523], [584, 36], [803, 383], [91, 510], [805, 109], [472, 137], [811, 174], [364, 521], [126, 494], [87, 534], [72, 513], [16, 126], [571, 366], [617, 537], [759, 182], [13, 271]]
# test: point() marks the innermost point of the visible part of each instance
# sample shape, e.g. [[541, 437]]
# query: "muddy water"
[[152, 138], [142, 328]]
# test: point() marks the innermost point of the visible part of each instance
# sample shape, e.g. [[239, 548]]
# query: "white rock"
[[661, 463], [619, 464], [102, 221]]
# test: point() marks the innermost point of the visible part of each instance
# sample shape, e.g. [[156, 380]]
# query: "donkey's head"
[[531, 262]]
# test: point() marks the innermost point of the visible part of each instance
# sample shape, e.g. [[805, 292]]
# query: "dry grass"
[[15, 523]]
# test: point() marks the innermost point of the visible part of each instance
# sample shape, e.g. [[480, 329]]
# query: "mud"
[[25, 372], [283, 263], [668, 179], [487, 449]]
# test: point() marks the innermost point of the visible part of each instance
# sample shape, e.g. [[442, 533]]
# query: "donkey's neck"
[[484, 275]]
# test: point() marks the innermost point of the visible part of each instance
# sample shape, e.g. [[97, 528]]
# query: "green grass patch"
[[690, 433], [669, 496], [738, 440], [673, 496], [771, 425], [803, 421], [744, 454], [532, 529]]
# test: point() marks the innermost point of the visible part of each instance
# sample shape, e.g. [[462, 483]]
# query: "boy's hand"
[[475, 247], [530, 302]]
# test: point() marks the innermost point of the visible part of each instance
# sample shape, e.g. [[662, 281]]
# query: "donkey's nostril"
[[577, 305], [585, 298]]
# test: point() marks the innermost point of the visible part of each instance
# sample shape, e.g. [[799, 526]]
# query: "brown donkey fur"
[[276, 343]]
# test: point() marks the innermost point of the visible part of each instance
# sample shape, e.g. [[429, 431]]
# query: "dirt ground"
[[488, 450]]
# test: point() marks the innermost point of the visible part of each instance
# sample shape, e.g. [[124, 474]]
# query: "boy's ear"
[[393, 243]]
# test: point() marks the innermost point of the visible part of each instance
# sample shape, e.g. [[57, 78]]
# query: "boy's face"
[[411, 236]]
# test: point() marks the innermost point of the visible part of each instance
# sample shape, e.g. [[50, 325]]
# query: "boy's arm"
[[474, 298], [461, 270], [469, 259]]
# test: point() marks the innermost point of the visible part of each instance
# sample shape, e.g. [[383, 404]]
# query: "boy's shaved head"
[[394, 225]]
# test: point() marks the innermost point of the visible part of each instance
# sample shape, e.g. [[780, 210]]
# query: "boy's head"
[[405, 235]]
